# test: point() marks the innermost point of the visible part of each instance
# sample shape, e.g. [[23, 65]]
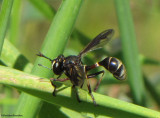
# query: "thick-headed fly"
[[76, 72]]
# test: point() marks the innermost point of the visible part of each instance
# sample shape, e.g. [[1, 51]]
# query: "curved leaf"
[[38, 87]]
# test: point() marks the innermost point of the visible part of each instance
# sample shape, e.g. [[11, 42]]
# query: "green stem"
[[45, 8], [107, 106], [4, 17], [130, 51], [15, 22], [152, 90], [13, 58], [53, 45]]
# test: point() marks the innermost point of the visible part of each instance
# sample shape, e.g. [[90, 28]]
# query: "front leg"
[[77, 96], [60, 80]]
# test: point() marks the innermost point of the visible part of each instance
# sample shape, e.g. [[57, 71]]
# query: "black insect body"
[[76, 72]]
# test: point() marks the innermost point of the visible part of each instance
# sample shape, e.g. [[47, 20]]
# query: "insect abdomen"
[[115, 66]]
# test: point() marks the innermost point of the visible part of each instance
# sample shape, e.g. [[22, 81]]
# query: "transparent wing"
[[100, 40]]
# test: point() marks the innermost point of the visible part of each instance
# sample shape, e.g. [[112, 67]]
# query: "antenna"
[[41, 55], [44, 66]]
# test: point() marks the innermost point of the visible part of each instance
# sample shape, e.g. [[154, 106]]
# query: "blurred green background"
[[96, 16]]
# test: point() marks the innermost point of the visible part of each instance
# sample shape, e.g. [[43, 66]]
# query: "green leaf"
[[152, 90], [15, 22], [130, 51], [42, 88], [13, 58], [45, 8], [4, 17], [145, 60]]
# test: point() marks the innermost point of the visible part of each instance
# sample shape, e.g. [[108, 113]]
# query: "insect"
[[76, 71]]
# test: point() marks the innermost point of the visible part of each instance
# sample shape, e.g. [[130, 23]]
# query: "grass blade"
[[152, 90], [53, 45], [45, 9], [130, 51], [4, 17], [144, 60], [15, 22], [13, 58], [107, 106]]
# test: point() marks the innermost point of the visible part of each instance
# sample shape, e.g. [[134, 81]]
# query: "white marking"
[[97, 64], [53, 63]]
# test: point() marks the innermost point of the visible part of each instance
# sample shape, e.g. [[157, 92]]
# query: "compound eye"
[[57, 67]]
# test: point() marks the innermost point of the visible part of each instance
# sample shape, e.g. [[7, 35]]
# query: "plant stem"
[[15, 22], [130, 51], [53, 45], [45, 8], [4, 18], [107, 106]]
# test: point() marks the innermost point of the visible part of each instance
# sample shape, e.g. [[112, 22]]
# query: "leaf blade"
[[107, 106]]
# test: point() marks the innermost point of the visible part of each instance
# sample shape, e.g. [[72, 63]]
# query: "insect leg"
[[77, 96], [92, 67], [59, 75], [81, 85], [54, 91], [60, 80], [95, 74], [90, 92]]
